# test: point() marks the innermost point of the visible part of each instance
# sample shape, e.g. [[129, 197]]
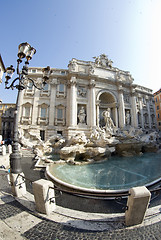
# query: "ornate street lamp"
[[24, 51]]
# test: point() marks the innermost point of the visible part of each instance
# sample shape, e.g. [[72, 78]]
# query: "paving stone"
[[10, 209], [22, 221]]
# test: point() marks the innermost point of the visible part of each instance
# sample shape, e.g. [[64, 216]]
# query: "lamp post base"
[[15, 160]]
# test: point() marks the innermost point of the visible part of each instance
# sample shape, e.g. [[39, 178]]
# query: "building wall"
[[8, 123], [157, 99], [3, 110], [75, 99]]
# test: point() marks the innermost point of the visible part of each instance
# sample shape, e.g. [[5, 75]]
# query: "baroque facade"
[[157, 99], [76, 98]]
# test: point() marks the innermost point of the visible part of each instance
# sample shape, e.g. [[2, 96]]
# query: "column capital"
[[92, 83], [72, 81]]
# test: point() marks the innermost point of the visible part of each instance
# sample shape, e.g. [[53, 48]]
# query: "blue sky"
[[128, 31]]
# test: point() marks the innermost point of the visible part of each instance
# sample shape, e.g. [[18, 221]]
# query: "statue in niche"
[[109, 125], [81, 115], [127, 118]]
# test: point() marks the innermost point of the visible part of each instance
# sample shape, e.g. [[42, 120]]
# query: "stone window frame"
[[30, 90], [26, 119], [57, 120], [46, 92], [43, 120], [60, 94]]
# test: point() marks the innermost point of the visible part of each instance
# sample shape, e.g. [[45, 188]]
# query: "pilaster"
[[52, 102], [121, 108], [91, 114], [72, 107], [134, 120]]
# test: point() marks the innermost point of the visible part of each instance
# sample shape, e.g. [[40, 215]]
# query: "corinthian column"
[[141, 112], [134, 119], [72, 100], [52, 102], [91, 114], [149, 117], [121, 109]]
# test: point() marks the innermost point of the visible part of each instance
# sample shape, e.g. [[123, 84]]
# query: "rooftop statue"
[[103, 61]]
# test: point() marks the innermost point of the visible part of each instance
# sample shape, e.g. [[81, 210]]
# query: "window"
[[61, 88], [27, 111], [158, 115], [42, 135], [156, 100], [30, 85], [157, 107], [159, 123], [60, 132], [33, 70], [59, 113], [45, 87], [43, 112]]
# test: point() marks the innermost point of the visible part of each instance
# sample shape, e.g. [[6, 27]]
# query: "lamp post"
[[24, 51]]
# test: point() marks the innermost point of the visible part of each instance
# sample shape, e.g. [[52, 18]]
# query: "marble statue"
[[81, 115], [109, 125], [127, 118]]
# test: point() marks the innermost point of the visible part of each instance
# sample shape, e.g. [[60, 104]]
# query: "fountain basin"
[[109, 178]]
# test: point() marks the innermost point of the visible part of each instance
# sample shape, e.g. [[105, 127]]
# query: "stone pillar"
[[52, 102], [137, 204], [149, 116], [18, 185], [9, 149], [141, 112], [134, 119], [97, 113], [116, 116], [3, 150], [72, 107], [121, 109], [91, 114], [44, 196], [35, 107]]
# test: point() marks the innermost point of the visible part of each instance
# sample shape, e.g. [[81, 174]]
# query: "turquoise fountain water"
[[117, 173]]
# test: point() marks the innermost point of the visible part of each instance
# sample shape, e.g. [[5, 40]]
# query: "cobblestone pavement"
[[19, 222]]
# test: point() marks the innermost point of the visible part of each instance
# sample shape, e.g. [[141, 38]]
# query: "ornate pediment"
[[103, 61]]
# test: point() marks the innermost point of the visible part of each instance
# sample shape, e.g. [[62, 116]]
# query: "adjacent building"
[[157, 98], [7, 120], [74, 100]]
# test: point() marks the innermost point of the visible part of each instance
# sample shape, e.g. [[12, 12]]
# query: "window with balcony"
[[43, 114], [26, 113], [30, 89], [60, 115], [60, 90], [46, 90]]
